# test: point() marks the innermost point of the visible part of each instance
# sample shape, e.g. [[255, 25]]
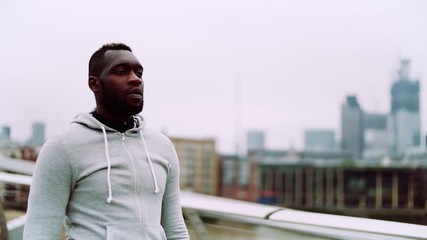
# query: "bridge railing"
[[309, 223], [196, 206]]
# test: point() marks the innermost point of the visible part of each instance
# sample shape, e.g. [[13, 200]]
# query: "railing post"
[[289, 194], [196, 222], [410, 201], [395, 190], [379, 189], [4, 234], [319, 187], [309, 187], [298, 187], [340, 188], [330, 194]]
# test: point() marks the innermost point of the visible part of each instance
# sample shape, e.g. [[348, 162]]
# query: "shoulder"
[[156, 136], [53, 156], [159, 145], [76, 133], [72, 137]]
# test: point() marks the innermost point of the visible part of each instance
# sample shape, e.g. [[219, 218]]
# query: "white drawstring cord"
[[110, 194], [153, 174], [156, 187]]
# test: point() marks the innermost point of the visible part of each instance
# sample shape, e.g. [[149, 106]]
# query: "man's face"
[[121, 84]]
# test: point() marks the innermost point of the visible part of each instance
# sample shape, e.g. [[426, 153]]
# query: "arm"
[[172, 219], [49, 193]]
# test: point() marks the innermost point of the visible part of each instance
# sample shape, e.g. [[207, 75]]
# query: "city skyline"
[[276, 66]]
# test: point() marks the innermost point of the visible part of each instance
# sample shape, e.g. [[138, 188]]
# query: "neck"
[[119, 124]]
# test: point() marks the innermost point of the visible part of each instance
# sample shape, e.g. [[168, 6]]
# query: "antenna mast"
[[237, 121]]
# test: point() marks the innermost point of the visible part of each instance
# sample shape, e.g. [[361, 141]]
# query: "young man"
[[107, 176]]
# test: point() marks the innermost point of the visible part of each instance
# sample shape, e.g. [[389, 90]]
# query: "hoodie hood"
[[88, 120]]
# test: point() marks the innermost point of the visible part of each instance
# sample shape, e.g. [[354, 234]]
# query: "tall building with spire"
[[405, 111]]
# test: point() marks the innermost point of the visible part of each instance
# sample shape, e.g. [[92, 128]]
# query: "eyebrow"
[[126, 64]]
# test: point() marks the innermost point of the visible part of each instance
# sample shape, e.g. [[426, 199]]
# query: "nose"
[[134, 79]]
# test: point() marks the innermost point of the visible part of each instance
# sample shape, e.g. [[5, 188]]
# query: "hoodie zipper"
[[134, 176]]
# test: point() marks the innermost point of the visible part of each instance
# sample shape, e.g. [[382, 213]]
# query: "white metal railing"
[[315, 224], [16, 228], [197, 205]]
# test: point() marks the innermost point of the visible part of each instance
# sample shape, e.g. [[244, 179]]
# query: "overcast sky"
[[213, 68]]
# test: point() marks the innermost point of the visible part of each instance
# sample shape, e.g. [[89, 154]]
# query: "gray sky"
[[279, 66]]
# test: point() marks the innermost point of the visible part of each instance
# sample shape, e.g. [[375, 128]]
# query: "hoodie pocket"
[[132, 232]]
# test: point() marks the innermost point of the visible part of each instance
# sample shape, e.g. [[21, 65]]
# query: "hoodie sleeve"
[[172, 218], [49, 193]]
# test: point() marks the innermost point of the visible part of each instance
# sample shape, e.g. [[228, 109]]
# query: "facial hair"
[[118, 105]]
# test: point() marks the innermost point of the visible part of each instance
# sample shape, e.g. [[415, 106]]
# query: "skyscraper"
[[405, 111], [352, 131], [255, 141], [377, 138], [5, 133], [319, 139], [38, 134]]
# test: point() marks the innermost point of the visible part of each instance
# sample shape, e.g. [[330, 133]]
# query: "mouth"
[[135, 94], [135, 91]]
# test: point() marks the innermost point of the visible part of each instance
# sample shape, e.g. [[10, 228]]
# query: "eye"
[[120, 72], [139, 73]]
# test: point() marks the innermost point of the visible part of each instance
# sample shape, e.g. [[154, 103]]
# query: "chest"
[[129, 166]]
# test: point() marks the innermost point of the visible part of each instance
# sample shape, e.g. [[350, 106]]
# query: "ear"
[[94, 83]]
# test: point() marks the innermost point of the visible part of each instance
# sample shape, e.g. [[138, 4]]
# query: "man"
[[107, 176]]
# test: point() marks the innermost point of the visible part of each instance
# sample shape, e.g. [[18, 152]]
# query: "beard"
[[121, 108], [120, 105]]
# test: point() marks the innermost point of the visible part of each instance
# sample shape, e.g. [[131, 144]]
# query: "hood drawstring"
[[153, 174], [110, 193]]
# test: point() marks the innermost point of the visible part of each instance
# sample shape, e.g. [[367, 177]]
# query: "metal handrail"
[[315, 224]]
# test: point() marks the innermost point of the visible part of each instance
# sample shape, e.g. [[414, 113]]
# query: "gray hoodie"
[[104, 184]]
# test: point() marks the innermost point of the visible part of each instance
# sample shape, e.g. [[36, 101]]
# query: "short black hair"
[[96, 61]]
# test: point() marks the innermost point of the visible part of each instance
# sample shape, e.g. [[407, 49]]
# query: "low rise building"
[[199, 164]]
